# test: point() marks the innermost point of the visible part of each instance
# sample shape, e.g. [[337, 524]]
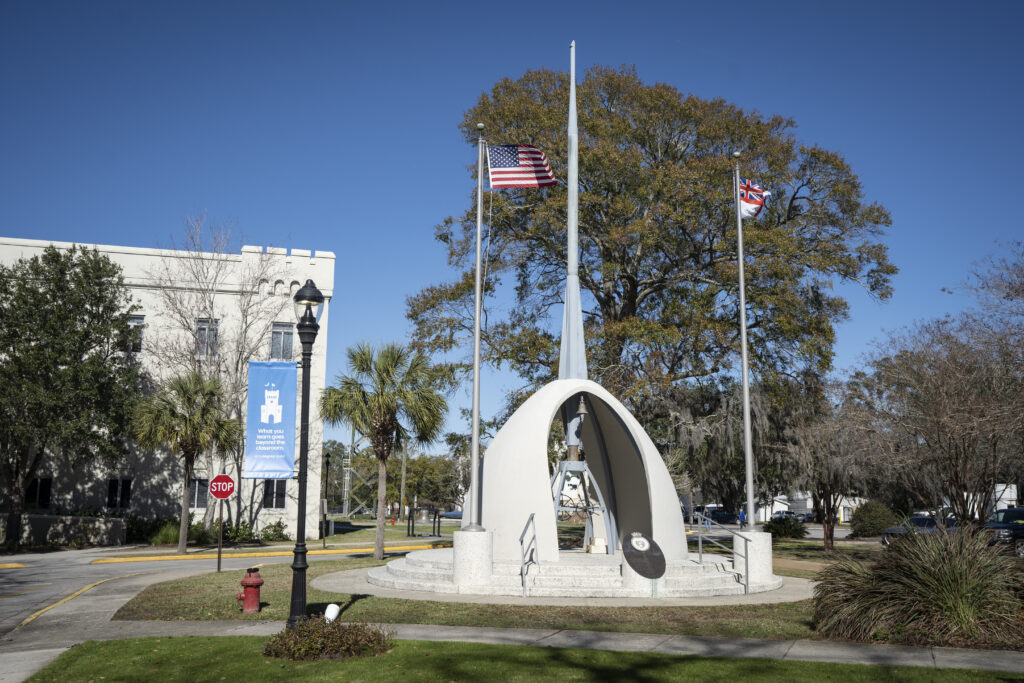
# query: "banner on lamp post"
[[270, 421]]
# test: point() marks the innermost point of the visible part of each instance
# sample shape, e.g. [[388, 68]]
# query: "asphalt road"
[[47, 578]]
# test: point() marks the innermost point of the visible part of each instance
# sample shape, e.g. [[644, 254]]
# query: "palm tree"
[[389, 396], [186, 416]]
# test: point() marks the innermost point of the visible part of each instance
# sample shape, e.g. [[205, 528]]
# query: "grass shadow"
[[321, 607]]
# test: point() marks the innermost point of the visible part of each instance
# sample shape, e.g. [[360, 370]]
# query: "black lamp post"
[[308, 302]]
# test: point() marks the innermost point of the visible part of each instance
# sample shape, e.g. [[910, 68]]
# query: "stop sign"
[[222, 486]]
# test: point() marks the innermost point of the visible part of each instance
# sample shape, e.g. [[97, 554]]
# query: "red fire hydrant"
[[250, 594]]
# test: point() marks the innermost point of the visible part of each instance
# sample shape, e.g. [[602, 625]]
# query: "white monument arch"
[[638, 538]]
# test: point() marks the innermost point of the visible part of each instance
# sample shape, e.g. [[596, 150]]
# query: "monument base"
[[473, 559], [759, 560]]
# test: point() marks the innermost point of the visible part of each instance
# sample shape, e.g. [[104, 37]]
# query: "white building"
[[249, 294]]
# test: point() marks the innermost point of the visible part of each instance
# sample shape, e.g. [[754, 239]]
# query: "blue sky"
[[332, 125]]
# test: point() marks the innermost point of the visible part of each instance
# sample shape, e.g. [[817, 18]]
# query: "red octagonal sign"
[[222, 486]]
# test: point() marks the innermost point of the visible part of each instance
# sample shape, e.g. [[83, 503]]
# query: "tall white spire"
[[572, 361]]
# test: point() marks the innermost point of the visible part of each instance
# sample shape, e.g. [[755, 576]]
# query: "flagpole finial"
[[572, 43], [736, 154], [480, 127]]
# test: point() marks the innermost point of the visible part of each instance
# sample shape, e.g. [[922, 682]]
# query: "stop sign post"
[[221, 487]]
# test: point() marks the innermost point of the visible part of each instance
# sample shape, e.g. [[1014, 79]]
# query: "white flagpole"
[[474, 459], [572, 181], [748, 450], [572, 359]]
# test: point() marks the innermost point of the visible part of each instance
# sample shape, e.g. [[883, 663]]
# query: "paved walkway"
[[88, 617]]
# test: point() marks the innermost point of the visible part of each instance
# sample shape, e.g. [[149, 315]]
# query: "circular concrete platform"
[[354, 582]]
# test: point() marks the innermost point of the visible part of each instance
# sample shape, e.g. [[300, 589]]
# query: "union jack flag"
[[752, 198]]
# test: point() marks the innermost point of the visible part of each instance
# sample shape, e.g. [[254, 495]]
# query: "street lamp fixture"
[[309, 302]]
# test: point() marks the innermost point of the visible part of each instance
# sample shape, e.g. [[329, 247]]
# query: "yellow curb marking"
[[27, 590], [12, 565], [74, 595], [350, 551]]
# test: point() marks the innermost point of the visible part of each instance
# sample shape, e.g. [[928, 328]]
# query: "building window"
[[137, 323], [198, 490], [37, 494], [281, 341], [206, 338], [273, 492], [119, 493]]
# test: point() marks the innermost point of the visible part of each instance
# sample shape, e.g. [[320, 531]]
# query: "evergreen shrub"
[[871, 519], [240, 532], [313, 638], [787, 527], [274, 532]]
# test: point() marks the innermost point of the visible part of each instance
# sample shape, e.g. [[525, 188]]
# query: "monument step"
[[406, 570]]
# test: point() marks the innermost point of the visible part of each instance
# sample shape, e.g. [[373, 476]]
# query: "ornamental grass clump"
[[946, 588], [315, 638]]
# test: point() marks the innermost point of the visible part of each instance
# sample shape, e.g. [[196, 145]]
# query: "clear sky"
[[332, 125]]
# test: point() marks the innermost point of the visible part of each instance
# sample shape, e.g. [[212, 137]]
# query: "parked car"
[[784, 514], [920, 525], [454, 514], [806, 517], [1007, 526], [723, 516]]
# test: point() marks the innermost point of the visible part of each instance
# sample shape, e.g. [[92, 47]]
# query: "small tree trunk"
[[185, 500], [828, 525], [382, 494], [13, 530]]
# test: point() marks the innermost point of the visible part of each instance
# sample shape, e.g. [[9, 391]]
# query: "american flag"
[[752, 198], [518, 166]]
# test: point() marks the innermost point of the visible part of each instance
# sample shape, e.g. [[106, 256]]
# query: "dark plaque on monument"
[[644, 556]]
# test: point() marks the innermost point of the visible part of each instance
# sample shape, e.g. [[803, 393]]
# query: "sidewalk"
[[88, 617]]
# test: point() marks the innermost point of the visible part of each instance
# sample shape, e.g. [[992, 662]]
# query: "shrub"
[[942, 588], [786, 527], [274, 532], [313, 638], [166, 534], [871, 519], [198, 533], [141, 530], [240, 532]]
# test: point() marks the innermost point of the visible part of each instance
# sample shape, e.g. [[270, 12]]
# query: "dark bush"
[[167, 532], [786, 527], [947, 588], [274, 532], [313, 638], [197, 532], [241, 532], [871, 519], [141, 530]]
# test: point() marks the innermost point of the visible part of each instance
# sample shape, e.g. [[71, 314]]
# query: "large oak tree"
[[658, 262]]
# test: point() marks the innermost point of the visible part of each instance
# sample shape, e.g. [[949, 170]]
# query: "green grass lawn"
[[240, 659], [211, 596], [813, 550]]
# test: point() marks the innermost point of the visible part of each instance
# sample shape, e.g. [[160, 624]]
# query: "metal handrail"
[[707, 521], [529, 548]]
